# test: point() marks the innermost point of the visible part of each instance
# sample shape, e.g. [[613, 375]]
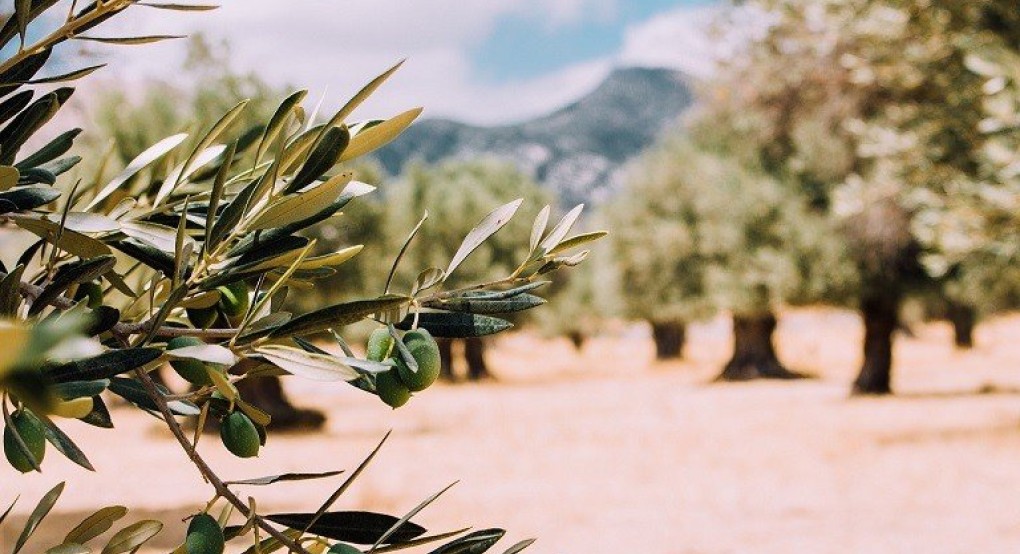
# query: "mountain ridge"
[[578, 150]]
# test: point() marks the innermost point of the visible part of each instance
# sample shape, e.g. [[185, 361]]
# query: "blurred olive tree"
[[699, 232], [871, 109]]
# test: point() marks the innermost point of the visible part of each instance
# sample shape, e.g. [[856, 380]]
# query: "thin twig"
[[207, 473]]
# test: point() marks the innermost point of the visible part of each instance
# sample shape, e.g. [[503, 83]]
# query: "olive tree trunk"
[[963, 318], [577, 339], [754, 351], [267, 393], [669, 337], [880, 312], [445, 359], [474, 354]]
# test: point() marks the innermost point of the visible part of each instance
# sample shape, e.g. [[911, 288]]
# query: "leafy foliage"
[[701, 233]]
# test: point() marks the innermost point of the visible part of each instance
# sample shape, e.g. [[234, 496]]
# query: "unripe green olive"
[[204, 536], [91, 290], [379, 344], [234, 300], [193, 371], [30, 429], [239, 435], [391, 390], [203, 318], [425, 352]]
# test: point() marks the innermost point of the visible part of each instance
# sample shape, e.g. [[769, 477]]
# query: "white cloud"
[[339, 45], [681, 39]]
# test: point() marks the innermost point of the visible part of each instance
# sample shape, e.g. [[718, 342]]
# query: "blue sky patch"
[[522, 47]]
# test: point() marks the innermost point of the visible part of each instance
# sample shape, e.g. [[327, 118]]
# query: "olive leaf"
[[377, 136], [350, 526], [456, 325], [337, 315], [96, 524], [41, 510], [269, 480], [472, 543], [140, 162], [316, 367], [131, 537], [489, 225]]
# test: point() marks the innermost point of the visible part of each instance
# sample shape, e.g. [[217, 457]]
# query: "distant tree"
[[699, 232], [585, 298], [868, 106], [457, 195]]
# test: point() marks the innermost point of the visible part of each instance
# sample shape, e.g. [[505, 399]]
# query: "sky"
[[481, 61]]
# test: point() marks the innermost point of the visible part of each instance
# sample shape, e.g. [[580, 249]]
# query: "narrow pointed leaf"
[[143, 160], [338, 315], [472, 543], [377, 136], [104, 366], [538, 228], [69, 76], [562, 228], [131, 537], [147, 39], [269, 480], [316, 367], [42, 509], [518, 303], [354, 527], [297, 207], [456, 325], [489, 225], [65, 445]]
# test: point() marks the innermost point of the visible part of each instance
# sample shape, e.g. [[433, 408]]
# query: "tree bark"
[[446, 359], [670, 337], [754, 352], [267, 393], [474, 354], [577, 339], [880, 312], [963, 317]]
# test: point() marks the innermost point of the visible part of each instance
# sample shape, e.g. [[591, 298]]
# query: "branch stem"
[[203, 468]]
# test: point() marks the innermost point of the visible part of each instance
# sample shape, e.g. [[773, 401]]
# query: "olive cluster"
[[395, 385]]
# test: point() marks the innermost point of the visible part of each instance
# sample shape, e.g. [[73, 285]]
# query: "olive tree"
[[190, 267], [869, 106], [700, 232]]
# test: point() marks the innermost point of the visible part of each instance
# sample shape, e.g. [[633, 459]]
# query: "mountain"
[[576, 151]]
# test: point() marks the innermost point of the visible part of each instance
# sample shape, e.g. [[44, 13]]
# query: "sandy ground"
[[606, 451]]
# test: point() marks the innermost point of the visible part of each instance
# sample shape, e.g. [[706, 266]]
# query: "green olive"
[[391, 390], [204, 536], [193, 371], [30, 429], [203, 318], [425, 352], [92, 291], [234, 299], [239, 435], [379, 344]]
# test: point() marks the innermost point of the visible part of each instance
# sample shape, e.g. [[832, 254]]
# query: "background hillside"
[[576, 151]]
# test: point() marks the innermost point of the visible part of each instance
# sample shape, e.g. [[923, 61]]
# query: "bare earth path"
[[607, 452]]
